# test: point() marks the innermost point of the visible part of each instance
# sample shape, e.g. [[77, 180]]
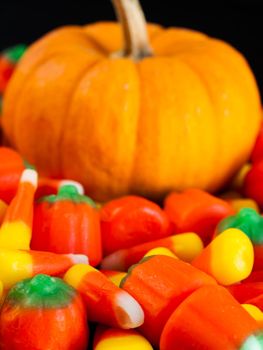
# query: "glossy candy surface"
[[105, 302], [67, 223], [160, 283], [228, 258], [119, 339], [16, 265], [16, 229], [38, 313], [197, 211], [131, 220], [185, 246], [210, 318]]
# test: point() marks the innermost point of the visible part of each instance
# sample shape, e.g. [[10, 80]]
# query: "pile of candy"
[[129, 274]]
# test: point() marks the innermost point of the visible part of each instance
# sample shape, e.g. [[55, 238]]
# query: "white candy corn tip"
[[128, 311], [78, 258], [31, 176], [78, 186], [114, 261]]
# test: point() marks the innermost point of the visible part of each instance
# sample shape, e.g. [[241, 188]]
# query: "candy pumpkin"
[[174, 109]]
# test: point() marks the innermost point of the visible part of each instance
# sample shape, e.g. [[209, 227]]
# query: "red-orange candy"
[[210, 318], [197, 211], [43, 313], [67, 223], [131, 220], [160, 284]]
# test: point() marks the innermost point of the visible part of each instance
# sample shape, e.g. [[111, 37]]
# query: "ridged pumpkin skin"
[[186, 117]]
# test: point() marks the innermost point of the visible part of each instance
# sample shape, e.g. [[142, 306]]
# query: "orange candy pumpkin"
[[174, 109]]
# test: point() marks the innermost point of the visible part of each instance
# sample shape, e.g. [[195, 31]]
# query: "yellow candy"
[[160, 251], [116, 279], [117, 339], [76, 273], [241, 203], [187, 246], [3, 207], [228, 258], [14, 266], [254, 311], [16, 230], [14, 235]]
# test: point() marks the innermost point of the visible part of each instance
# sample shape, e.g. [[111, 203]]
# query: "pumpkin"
[[174, 109]]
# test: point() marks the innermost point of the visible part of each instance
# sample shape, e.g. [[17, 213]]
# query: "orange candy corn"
[[16, 230], [210, 318], [105, 302], [197, 211], [160, 283], [16, 265], [228, 258], [186, 246]]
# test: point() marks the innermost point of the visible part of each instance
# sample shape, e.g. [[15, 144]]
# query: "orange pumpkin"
[[178, 110]]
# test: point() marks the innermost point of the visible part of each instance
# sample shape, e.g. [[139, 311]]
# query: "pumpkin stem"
[[131, 17]]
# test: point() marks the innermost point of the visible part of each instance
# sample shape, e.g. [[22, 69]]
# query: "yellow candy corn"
[[254, 311], [119, 339], [229, 258], [16, 265], [16, 230], [161, 251]]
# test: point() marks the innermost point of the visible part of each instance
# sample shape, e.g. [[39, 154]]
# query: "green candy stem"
[[253, 342], [246, 220], [41, 291], [68, 193], [14, 54]]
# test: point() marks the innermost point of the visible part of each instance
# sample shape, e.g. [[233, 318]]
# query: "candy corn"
[[114, 276], [228, 258], [16, 230], [105, 302], [16, 265], [43, 313], [160, 283], [119, 339], [160, 251], [186, 246], [255, 312], [210, 318]]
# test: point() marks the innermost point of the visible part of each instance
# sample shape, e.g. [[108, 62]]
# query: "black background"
[[238, 22]]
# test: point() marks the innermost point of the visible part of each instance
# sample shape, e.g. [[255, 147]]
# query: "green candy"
[[246, 220], [68, 192], [41, 291]]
